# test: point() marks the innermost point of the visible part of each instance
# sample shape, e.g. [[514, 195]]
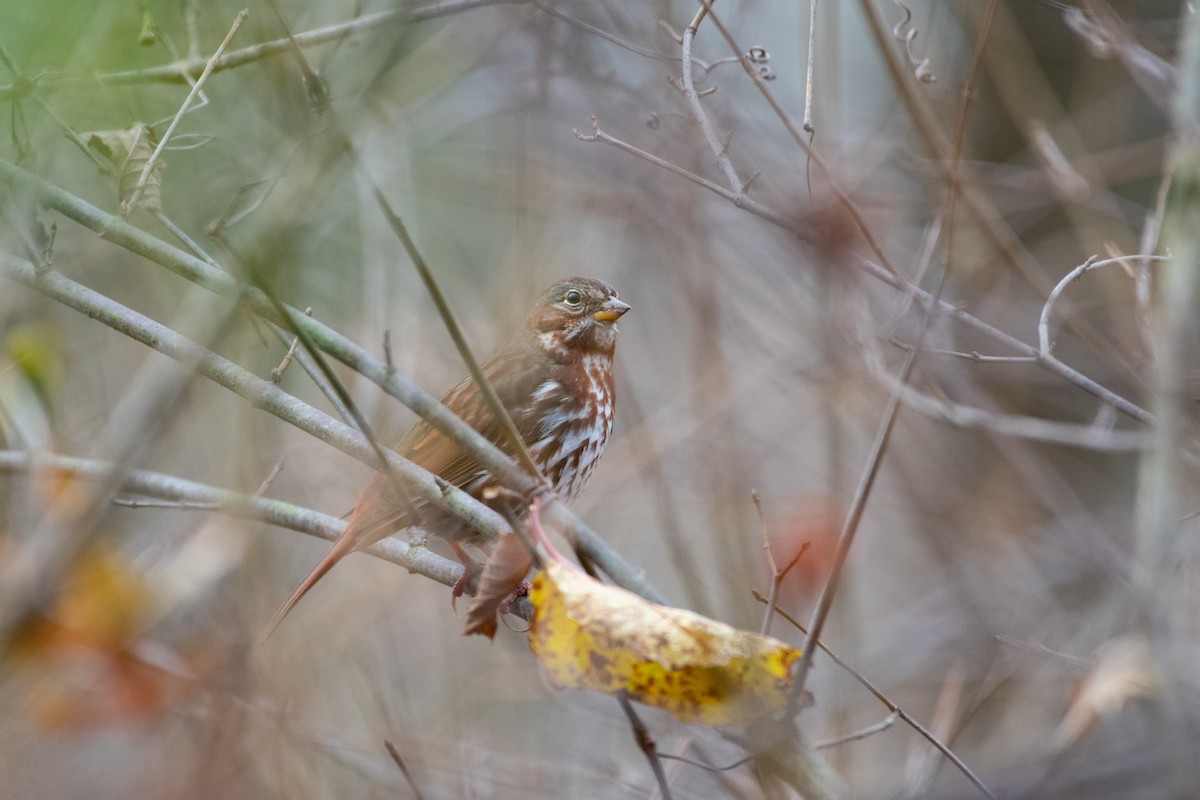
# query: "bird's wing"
[[515, 378]]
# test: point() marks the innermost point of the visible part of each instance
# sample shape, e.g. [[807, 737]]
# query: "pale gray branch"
[[260, 393], [236, 504], [198, 271], [178, 71]]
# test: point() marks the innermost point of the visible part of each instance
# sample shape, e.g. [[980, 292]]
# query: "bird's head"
[[576, 316]]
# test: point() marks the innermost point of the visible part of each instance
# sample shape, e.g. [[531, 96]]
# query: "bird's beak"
[[612, 309]]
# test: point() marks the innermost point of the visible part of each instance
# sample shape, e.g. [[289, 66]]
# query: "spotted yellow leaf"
[[588, 635]]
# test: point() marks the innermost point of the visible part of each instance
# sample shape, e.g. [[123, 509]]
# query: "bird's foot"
[[521, 590], [469, 580]]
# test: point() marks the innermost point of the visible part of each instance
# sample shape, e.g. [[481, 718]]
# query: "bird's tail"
[[341, 548]]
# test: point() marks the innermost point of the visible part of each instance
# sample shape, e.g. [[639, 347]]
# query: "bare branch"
[[188, 495], [1045, 346], [199, 271], [404, 770], [891, 706], [131, 202], [175, 72], [854, 736], [646, 744], [261, 393]]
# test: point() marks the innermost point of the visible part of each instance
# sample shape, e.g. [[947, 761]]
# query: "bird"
[[555, 379]]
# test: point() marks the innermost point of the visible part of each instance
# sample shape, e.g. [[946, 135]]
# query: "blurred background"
[[992, 590]]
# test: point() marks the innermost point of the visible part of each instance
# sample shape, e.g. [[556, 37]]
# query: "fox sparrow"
[[555, 379]]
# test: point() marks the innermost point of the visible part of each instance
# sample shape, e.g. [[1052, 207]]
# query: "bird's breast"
[[576, 418]]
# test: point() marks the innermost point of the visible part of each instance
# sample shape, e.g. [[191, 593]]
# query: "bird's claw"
[[521, 590]]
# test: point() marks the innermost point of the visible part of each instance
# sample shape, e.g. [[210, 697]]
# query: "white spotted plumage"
[[575, 425]]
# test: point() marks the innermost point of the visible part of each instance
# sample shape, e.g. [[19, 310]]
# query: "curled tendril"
[[759, 56], [903, 33]]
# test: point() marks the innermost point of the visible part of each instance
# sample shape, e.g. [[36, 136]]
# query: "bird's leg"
[[471, 572]]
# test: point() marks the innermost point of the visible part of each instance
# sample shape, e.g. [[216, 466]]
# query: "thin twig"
[[766, 545], [849, 530], [736, 198], [926, 122], [920, 766], [130, 203], [880, 446], [1045, 346], [1080, 664], [547, 8], [314, 374], [891, 706], [277, 373], [306, 362], [811, 68], [813, 156], [893, 279], [180, 234], [862, 733], [1051, 363], [777, 575], [399, 482], [1084, 436], [499, 412], [404, 770], [175, 71], [271, 476], [719, 150], [974, 355], [691, 762], [694, 25], [646, 744]]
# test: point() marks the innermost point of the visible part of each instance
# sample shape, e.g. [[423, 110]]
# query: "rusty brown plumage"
[[555, 380]]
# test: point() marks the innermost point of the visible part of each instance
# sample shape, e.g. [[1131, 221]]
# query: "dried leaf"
[[128, 150], [506, 567], [100, 606], [83, 689], [1125, 671], [588, 635], [84, 656]]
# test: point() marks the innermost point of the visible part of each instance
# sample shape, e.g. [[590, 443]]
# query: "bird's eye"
[[573, 297]]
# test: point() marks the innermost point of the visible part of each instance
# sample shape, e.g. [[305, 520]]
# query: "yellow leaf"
[[588, 635], [100, 605], [104, 598], [34, 352]]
